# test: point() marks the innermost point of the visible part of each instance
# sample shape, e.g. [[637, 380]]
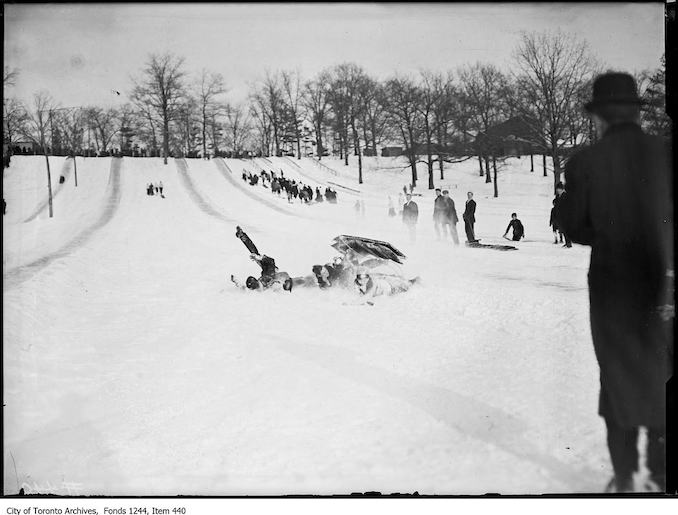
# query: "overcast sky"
[[79, 53]]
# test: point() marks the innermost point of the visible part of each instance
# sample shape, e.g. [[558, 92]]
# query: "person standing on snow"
[[554, 224], [391, 207], [439, 211], [410, 217], [450, 217], [557, 214], [518, 229], [619, 202], [469, 217]]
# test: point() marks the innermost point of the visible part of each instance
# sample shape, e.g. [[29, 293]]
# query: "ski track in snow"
[[461, 412], [66, 172], [200, 201], [16, 276]]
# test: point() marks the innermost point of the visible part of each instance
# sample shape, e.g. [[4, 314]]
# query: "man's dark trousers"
[[468, 227]]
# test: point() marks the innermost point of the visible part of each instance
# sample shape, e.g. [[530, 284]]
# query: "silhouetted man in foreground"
[[618, 201]]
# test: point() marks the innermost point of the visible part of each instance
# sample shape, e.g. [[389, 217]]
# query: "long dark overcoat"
[[410, 213], [470, 212], [619, 202]]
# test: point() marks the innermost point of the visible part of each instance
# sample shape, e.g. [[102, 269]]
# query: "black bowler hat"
[[613, 88]]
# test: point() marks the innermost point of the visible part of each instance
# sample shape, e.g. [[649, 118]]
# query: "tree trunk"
[[346, 146], [276, 139], [319, 142], [413, 166], [298, 144], [49, 183], [494, 169], [441, 165], [488, 177], [543, 157], [75, 169], [429, 164], [365, 137], [165, 137], [374, 137], [557, 170], [356, 144], [531, 162], [480, 160], [204, 134]]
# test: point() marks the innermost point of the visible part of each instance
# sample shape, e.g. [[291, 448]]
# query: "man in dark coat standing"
[[410, 216], [469, 217], [439, 210], [557, 214], [619, 202], [451, 217]]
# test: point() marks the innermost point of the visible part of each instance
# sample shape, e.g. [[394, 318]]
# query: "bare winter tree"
[[185, 137], [103, 124], [161, 86], [36, 130], [9, 77], [210, 87], [73, 123], [291, 84], [148, 126], [348, 80], [125, 119], [340, 103], [435, 107], [552, 69], [374, 118], [317, 106], [238, 127], [403, 98], [268, 98], [13, 119], [485, 89], [262, 124], [652, 89]]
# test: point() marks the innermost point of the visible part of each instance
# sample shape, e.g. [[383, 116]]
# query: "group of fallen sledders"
[[363, 266]]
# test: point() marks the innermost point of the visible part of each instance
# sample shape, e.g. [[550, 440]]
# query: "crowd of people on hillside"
[[155, 189], [293, 190]]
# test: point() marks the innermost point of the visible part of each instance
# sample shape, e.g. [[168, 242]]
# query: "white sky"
[[80, 52]]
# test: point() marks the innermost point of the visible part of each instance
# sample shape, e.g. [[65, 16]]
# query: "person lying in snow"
[[252, 283], [270, 277], [369, 287]]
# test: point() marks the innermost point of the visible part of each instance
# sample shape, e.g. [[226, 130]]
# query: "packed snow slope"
[[132, 366]]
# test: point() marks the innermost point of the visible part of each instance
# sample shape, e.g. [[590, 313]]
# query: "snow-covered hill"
[[133, 366]]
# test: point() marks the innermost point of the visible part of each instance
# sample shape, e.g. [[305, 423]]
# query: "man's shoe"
[[619, 486]]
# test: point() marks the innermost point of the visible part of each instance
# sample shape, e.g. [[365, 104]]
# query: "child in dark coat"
[[518, 229]]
